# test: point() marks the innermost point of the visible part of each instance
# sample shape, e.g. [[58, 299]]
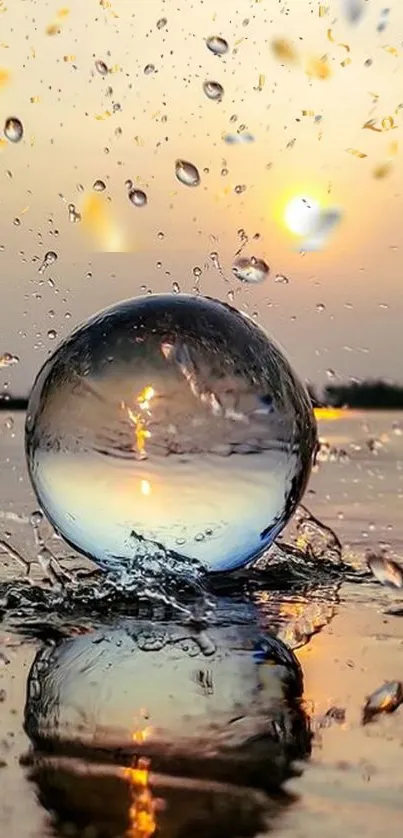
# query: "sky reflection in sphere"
[[170, 419]]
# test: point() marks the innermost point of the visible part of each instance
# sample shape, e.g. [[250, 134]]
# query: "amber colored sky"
[[165, 115]]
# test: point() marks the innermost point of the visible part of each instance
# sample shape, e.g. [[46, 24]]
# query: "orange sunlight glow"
[[329, 414], [143, 808], [99, 223], [139, 422]]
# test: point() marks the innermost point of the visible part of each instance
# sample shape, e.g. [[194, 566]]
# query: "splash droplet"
[[184, 396], [161, 22], [49, 259], [99, 186], [250, 269], [101, 68], [8, 360], [13, 129], [217, 45], [52, 334], [138, 198], [187, 173], [149, 69], [74, 215], [213, 90]]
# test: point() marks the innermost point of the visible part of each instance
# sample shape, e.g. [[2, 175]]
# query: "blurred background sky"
[[305, 103]]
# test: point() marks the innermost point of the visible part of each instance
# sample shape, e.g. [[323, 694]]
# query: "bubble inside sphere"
[[171, 419]]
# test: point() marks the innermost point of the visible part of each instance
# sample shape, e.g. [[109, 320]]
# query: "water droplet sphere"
[[174, 420]]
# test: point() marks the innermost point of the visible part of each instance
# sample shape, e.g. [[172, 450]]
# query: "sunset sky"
[[342, 307]]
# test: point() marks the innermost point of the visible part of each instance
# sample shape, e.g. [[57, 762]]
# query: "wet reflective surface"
[[152, 726], [171, 420]]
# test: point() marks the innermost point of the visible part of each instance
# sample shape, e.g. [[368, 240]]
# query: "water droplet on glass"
[[320, 307], [49, 259], [161, 22], [281, 279], [148, 69], [250, 269], [129, 184], [240, 188], [135, 410], [99, 186], [101, 68], [13, 129], [138, 197], [197, 272], [187, 173], [213, 90], [52, 334], [217, 45]]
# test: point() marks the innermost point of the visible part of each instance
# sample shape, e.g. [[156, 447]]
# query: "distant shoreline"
[[13, 404]]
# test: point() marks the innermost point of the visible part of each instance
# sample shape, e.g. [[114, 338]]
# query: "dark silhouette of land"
[[13, 402], [365, 395]]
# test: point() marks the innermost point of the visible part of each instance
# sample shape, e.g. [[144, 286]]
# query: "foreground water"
[[243, 738]]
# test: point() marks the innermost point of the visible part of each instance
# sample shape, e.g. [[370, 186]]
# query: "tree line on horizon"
[[369, 394]]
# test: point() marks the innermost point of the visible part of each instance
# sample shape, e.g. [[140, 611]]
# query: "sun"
[[301, 215]]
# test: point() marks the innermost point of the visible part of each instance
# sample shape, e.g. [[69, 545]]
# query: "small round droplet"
[[213, 90], [241, 187], [52, 334], [99, 186], [250, 269], [281, 279], [161, 22], [138, 198], [13, 129], [101, 68], [176, 288], [217, 45], [320, 307], [149, 69], [36, 518], [187, 173], [197, 272]]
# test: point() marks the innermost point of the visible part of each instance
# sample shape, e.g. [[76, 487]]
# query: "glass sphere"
[[174, 420]]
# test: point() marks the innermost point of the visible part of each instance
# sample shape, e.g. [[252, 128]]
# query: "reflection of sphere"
[[302, 216], [169, 419], [104, 802], [222, 703]]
